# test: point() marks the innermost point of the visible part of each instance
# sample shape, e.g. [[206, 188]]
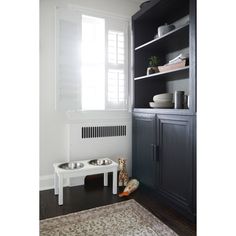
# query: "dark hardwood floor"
[[93, 194]]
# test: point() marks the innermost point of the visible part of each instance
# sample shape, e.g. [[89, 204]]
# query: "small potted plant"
[[153, 65]]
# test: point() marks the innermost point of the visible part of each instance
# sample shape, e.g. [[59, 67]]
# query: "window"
[[92, 62], [116, 47]]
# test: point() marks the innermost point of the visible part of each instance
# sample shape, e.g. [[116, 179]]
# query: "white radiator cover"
[[102, 147]]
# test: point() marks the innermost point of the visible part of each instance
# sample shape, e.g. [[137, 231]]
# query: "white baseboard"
[[47, 182]]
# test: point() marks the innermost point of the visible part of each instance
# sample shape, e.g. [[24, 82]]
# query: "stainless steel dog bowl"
[[71, 165], [100, 162]]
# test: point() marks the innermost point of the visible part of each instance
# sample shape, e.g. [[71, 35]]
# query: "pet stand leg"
[[56, 184], [105, 179], [60, 196], [114, 185]]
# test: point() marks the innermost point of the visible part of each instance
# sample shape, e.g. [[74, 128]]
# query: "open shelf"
[[174, 74], [181, 40], [167, 40], [164, 111]]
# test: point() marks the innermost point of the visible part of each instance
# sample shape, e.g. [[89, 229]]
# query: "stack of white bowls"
[[164, 100]]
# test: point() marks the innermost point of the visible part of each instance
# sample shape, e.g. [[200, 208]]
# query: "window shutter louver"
[[117, 65], [68, 87]]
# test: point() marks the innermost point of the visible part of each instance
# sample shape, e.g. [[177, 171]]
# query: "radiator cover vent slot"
[[103, 131]]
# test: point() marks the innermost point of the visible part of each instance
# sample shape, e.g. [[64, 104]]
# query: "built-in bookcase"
[[180, 13]]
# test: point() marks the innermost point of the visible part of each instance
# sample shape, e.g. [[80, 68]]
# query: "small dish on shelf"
[[161, 104], [164, 29]]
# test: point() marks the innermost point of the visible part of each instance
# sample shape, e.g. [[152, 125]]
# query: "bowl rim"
[[81, 165], [101, 159]]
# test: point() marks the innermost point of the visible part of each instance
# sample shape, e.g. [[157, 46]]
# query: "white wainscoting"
[[101, 147], [91, 148]]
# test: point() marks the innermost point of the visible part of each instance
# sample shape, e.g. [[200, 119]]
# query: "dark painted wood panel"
[[193, 57], [176, 159], [173, 111], [143, 148]]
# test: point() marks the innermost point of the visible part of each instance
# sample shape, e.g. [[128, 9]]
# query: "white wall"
[[53, 124]]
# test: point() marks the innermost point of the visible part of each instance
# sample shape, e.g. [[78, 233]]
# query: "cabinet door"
[[144, 135], [176, 164]]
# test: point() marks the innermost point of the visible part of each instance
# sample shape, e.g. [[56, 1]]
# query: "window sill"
[[87, 116]]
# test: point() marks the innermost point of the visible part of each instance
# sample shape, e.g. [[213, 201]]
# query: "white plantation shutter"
[[91, 61], [116, 50], [116, 93], [117, 65], [68, 84]]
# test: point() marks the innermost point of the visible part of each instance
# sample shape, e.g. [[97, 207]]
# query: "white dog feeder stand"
[[82, 169]]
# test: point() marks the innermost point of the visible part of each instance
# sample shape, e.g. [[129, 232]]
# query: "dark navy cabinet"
[[164, 140], [163, 157], [176, 160], [144, 140]]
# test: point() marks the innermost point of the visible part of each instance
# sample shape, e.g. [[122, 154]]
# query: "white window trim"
[[99, 13]]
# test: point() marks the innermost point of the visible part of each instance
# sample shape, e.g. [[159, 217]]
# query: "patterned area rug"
[[123, 218]]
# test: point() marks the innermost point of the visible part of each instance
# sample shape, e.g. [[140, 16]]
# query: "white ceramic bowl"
[[163, 100], [163, 96], [161, 104]]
